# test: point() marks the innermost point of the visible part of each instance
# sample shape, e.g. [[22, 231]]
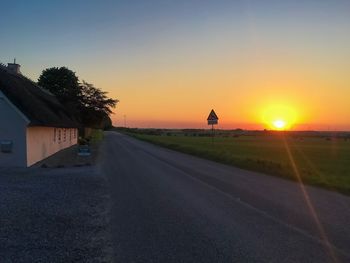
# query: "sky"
[[170, 62]]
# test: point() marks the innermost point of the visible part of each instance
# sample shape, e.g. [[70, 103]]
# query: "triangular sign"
[[212, 116]]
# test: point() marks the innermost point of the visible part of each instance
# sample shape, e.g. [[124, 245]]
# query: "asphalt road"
[[171, 207]]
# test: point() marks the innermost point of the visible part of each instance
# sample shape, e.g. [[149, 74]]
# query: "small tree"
[[96, 107]]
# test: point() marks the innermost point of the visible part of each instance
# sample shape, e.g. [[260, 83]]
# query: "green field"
[[323, 162]]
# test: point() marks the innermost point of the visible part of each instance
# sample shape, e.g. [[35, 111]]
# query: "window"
[[64, 135], [6, 146], [59, 135]]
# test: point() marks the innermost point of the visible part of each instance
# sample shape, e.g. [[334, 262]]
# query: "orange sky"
[[240, 89], [238, 70]]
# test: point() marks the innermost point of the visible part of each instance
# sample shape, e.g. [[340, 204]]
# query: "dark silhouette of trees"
[[89, 105], [64, 84], [61, 82], [95, 106]]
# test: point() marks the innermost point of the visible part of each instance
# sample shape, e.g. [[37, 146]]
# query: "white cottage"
[[33, 124]]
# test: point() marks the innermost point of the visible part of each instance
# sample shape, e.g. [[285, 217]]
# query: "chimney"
[[14, 67]]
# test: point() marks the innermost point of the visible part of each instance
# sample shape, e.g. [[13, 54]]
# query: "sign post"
[[212, 120]]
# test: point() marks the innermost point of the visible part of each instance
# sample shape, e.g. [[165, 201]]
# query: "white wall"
[[45, 141], [12, 127]]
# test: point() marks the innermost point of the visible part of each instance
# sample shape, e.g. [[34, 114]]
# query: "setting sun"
[[279, 117], [279, 124]]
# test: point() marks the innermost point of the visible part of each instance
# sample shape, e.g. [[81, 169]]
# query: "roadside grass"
[[320, 162], [96, 135]]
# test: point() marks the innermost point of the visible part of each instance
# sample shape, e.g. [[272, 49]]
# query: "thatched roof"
[[38, 105]]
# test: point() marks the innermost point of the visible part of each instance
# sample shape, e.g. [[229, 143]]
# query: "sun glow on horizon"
[[279, 117], [279, 124]]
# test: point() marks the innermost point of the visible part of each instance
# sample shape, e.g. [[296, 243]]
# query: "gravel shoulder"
[[54, 215]]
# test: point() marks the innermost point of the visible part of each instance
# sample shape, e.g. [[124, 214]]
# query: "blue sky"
[[57, 32]]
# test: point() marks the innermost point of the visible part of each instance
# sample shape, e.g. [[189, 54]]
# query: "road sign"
[[84, 150], [212, 118]]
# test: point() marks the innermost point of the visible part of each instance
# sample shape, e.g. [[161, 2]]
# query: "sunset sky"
[[170, 62]]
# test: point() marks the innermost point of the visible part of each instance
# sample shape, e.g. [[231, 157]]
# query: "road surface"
[[171, 207]]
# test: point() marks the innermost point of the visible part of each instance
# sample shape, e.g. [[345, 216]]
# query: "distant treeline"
[[328, 135]]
